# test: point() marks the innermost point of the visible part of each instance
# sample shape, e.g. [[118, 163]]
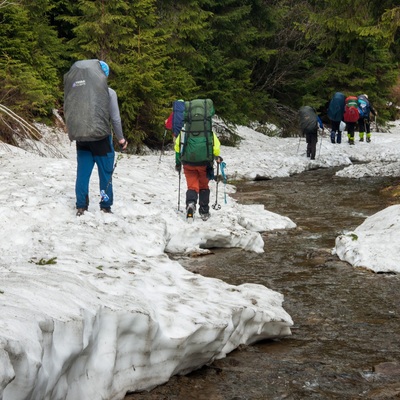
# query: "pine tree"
[[186, 28], [324, 47], [285, 58], [29, 63], [355, 48], [229, 54], [126, 36], [255, 59]]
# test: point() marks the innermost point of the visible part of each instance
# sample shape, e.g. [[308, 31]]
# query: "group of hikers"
[[355, 112], [91, 109], [345, 114]]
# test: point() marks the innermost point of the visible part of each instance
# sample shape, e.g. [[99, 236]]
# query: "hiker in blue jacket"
[[335, 114], [365, 108], [99, 152]]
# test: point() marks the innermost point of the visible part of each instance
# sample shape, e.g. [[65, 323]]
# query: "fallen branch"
[[28, 133]]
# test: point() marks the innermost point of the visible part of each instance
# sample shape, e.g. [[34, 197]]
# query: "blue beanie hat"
[[105, 67]]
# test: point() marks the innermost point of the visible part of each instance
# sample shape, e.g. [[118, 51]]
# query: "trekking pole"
[[376, 124], [216, 206], [179, 191], [298, 145], [365, 129], [320, 145], [162, 147], [223, 165], [103, 193]]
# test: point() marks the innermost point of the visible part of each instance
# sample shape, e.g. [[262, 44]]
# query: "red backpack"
[[168, 122], [351, 113]]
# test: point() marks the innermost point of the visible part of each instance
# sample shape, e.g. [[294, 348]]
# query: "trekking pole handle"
[[216, 206]]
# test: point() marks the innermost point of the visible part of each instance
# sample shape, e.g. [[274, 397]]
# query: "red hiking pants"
[[196, 177]]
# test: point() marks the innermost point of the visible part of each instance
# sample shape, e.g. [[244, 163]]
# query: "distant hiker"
[[309, 123], [89, 106], [350, 116], [335, 114], [195, 148], [365, 108]]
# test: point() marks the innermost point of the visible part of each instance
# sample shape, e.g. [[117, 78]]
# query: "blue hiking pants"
[[102, 154], [335, 126]]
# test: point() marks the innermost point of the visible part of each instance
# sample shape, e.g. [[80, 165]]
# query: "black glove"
[[178, 167], [122, 145], [210, 172]]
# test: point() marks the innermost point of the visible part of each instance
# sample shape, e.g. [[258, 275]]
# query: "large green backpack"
[[197, 136]]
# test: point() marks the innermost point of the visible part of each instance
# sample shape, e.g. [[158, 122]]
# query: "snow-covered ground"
[[92, 307]]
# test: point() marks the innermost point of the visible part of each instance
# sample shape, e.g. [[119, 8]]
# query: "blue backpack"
[[175, 121], [363, 106], [336, 107]]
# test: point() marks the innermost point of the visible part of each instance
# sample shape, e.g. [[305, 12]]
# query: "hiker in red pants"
[[196, 147]]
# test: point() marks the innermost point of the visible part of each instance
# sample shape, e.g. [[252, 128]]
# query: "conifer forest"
[[258, 60]]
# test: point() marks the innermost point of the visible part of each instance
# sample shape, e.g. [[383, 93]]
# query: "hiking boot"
[[351, 141], [368, 140], [80, 211], [362, 139], [106, 210], [205, 216], [190, 210]]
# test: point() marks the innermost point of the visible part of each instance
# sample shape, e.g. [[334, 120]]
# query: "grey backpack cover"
[[86, 102], [308, 120]]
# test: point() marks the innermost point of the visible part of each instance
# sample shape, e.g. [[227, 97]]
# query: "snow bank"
[[91, 333], [92, 307], [375, 243]]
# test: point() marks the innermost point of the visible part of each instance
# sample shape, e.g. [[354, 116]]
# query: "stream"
[[345, 341]]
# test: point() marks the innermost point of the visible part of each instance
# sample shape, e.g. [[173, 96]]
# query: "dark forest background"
[[259, 60]]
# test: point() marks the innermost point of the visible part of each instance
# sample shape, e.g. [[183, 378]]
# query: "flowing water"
[[346, 334]]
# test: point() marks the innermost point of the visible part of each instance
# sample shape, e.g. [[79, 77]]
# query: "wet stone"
[[388, 368]]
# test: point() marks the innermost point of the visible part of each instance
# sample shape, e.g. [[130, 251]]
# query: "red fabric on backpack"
[[351, 113], [168, 122]]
